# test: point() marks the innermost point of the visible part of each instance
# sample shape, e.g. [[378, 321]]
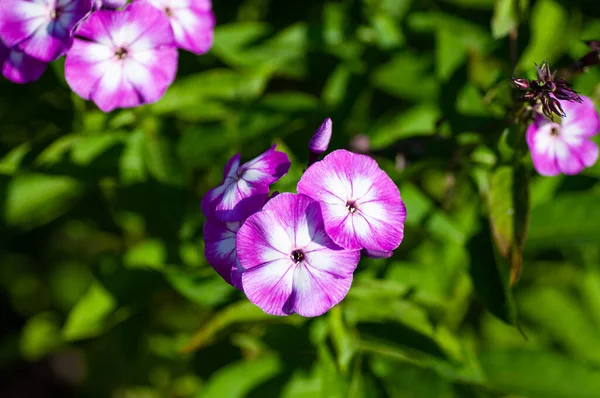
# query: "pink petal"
[[266, 168], [19, 67], [269, 286], [582, 118], [316, 291], [219, 249], [542, 147]]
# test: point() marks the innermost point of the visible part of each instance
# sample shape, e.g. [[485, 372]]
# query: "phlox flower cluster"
[[559, 138], [118, 55], [297, 252]]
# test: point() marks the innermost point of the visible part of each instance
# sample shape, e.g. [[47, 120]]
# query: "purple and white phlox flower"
[[41, 29], [193, 22], [19, 67], [245, 188], [361, 205], [290, 264], [565, 146], [121, 59], [220, 251]]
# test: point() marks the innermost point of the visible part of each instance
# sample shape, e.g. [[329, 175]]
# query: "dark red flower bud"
[[543, 72], [528, 95], [554, 106], [521, 84], [550, 86]]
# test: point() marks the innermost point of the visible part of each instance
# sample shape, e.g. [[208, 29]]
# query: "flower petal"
[[266, 168], [264, 237], [542, 145], [219, 248], [582, 118], [270, 286], [19, 67]]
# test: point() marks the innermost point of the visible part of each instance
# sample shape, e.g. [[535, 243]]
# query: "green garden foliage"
[[495, 291]]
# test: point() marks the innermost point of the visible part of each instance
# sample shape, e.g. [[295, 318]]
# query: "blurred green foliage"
[[104, 288]]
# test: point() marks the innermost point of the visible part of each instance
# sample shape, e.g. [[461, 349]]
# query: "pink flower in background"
[[192, 21], [245, 187], [19, 67], [565, 146], [290, 264], [219, 249], [361, 205], [41, 29], [122, 59]]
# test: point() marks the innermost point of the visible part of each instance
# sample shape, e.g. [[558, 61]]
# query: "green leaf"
[[450, 53], [150, 253], [549, 33], [569, 218], [419, 120], [88, 317], [508, 203], [490, 274], [41, 335], [408, 76], [200, 287], [241, 312], [507, 15], [131, 165], [346, 345], [161, 160], [36, 199], [407, 381], [564, 319], [238, 379], [540, 374]]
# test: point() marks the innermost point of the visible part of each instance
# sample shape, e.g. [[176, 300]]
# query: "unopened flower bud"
[[521, 84], [320, 140], [543, 72], [554, 106], [529, 95], [550, 86]]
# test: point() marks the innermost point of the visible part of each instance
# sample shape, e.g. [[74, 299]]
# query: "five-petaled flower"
[[361, 205], [192, 22], [290, 264], [565, 146], [41, 29], [121, 59], [245, 188]]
